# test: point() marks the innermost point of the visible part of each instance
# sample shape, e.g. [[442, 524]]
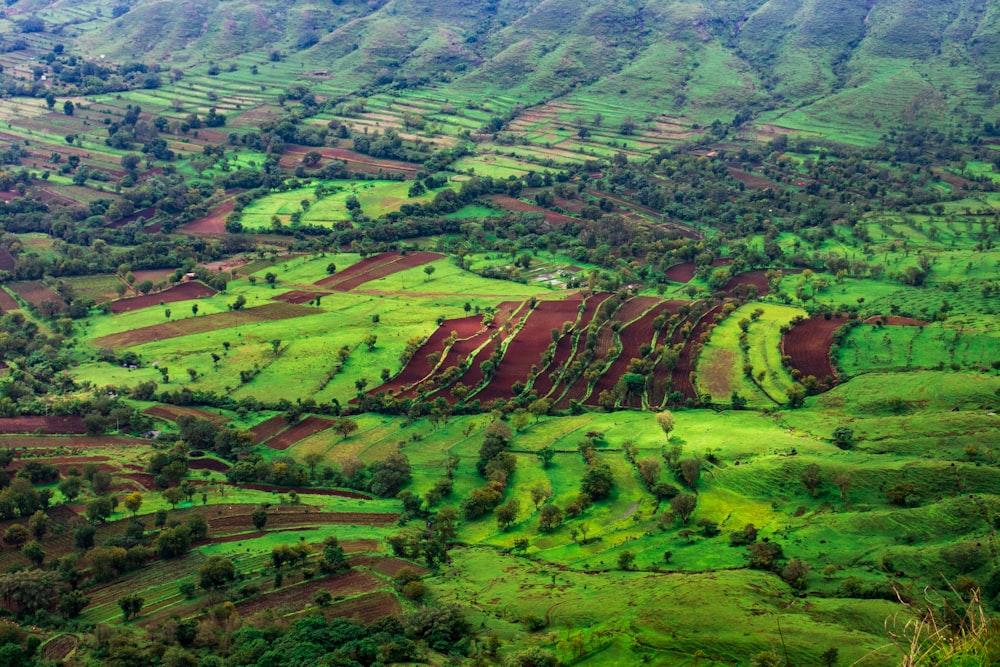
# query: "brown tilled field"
[[50, 425], [374, 268], [192, 325], [181, 292], [35, 293], [172, 412], [309, 426], [808, 344]]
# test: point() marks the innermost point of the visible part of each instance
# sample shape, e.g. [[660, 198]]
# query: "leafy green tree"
[[215, 574], [683, 506], [131, 605], [259, 518]]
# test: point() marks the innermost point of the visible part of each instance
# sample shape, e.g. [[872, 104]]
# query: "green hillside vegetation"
[[523, 333]]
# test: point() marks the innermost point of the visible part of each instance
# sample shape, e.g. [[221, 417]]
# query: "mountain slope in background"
[[848, 63]]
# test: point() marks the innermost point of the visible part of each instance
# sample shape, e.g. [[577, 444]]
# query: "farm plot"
[[518, 206], [309, 426], [293, 155], [680, 376], [546, 381], [172, 412], [526, 349], [295, 597], [7, 261], [7, 302], [100, 288], [182, 292], [632, 337], [369, 607], [193, 325], [35, 293], [420, 367], [373, 268], [50, 425], [808, 345], [297, 296], [268, 428]]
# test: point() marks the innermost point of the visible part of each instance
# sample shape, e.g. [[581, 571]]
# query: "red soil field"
[[390, 567], [683, 273], [155, 275], [419, 366], [268, 428], [292, 157], [305, 428], [528, 345], [181, 292], [192, 325], [632, 338], [808, 344], [35, 292], [297, 296], [518, 206], [7, 302], [368, 608], [208, 464], [474, 376], [59, 647], [297, 595], [681, 375], [51, 425], [564, 349], [7, 261], [470, 330], [172, 412], [229, 524], [756, 278], [40, 443], [213, 223], [380, 266], [750, 180]]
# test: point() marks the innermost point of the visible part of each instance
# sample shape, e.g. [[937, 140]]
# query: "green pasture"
[[870, 347], [449, 280], [376, 198]]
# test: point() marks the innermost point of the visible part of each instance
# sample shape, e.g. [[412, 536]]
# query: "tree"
[[68, 108], [83, 536], [843, 437], [38, 524], [428, 271], [100, 510], [649, 470], [665, 420], [334, 559], [259, 518], [345, 426], [549, 518], [540, 493], [133, 502], [506, 513], [811, 478], [71, 487], [626, 560], [690, 471], [843, 482], [539, 408], [173, 495], [33, 552], [683, 506], [71, 603], [545, 455], [131, 605], [597, 482], [215, 574]]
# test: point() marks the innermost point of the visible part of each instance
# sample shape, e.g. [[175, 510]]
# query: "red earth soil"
[[469, 330], [192, 325], [564, 349], [293, 154], [752, 181], [297, 296], [518, 206], [7, 302], [757, 278], [59, 647], [7, 261], [683, 273], [808, 344], [632, 337], [419, 366], [305, 428], [681, 375], [461, 350], [142, 215], [35, 292], [229, 524], [208, 464], [296, 596], [143, 479], [63, 443], [51, 425], [474, 376], [339, 493], [390, 567], [268, 428], [529, 343], [213, 223], [181, 292], [351, 278], [172, 412]]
